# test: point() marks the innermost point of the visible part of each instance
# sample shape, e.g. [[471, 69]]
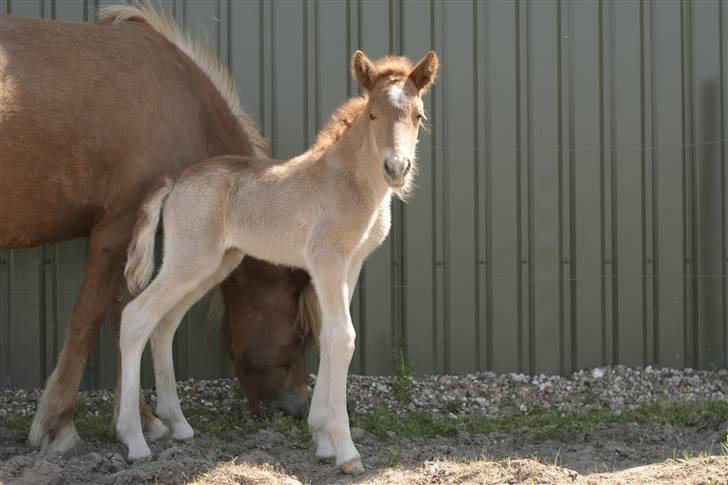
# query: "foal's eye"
[[372, 117]]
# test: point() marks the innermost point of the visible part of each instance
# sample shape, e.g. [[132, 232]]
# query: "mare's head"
[[394, 111], [271, 314]]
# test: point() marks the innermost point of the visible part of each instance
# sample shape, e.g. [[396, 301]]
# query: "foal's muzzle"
[[396, 169]]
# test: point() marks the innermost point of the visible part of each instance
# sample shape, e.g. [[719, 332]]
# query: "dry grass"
[[234, 472], [703, 470]]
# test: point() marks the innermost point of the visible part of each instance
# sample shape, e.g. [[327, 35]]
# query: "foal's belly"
[[284, 248]]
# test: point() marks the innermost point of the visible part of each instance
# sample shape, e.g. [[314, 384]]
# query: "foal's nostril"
[[388, 168], [407, 167]]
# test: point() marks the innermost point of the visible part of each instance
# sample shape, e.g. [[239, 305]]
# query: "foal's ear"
[[363, 70], [425, 72]]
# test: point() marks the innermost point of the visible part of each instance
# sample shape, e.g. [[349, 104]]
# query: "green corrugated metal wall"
[[572, 204]]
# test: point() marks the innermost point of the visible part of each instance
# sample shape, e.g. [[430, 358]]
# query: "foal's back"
[[91, 115], [254, 204]]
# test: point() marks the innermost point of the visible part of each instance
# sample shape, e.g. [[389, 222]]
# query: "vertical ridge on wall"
[[645, 57], [485, 202], [519, 33], [650, 99], [723, 9], [477, 259], [688, 142]]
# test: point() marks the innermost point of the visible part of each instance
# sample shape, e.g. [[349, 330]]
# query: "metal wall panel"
[[572, 205]]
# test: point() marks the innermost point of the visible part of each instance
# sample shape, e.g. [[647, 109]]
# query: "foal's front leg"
[[328, 415]]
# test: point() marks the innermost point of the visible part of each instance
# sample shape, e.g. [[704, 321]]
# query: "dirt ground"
[[617, 453]]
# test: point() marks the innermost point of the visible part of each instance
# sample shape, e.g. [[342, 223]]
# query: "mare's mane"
[[197, 51]]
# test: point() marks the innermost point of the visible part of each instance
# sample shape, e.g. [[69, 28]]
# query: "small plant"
[[724, 445], [557, 458], [394, 456], [453, 407], [403, 385]]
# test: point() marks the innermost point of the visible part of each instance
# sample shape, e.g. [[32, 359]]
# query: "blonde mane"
[[198, 52], [339, 122]]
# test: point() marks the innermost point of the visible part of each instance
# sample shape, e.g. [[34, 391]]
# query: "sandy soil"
[[609, 454]]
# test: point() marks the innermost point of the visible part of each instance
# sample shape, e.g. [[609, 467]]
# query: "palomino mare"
[[324, 210], [94, 115]]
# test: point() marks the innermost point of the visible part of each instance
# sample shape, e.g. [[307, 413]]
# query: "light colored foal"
[[325, 211]]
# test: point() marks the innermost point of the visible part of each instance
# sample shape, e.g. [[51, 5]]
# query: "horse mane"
[[390, 68], [339, 122], [197, 51]]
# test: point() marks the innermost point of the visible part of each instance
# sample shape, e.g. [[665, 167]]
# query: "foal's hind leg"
[[168, 407], [53, 429], [177, 279], [153, 427]]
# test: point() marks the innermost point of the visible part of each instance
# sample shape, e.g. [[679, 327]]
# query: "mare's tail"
[[140, 256], [308, 316]]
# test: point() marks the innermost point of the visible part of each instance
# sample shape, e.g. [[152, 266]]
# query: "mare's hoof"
[[65, 439], [64, 444], [353, 466], [155, 429]]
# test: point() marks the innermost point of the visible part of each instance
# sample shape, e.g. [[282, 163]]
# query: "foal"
[[324, 211]]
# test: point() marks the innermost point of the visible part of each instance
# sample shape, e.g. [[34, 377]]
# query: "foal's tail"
[[140, 256]]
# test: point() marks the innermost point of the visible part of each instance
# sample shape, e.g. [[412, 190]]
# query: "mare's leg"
[[328, 408], [168, 407], [179, 276], [53, 429]]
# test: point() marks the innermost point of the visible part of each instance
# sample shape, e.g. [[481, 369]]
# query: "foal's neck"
[[355, 155]]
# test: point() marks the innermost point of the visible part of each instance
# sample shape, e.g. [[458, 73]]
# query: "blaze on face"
[[265, 336]]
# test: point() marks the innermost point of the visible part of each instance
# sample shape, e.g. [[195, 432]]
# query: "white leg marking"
[[337, 347], [138, 321], [168, 405]]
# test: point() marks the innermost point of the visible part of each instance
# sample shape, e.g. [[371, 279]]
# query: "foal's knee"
[[343, 341]]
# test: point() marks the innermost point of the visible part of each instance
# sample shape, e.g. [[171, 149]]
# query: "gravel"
[[485, 393]]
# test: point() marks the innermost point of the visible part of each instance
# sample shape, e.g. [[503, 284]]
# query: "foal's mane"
[[197, 51], [390, 69], [339, 122]]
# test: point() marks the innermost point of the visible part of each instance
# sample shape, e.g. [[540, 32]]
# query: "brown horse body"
[[93, 116]]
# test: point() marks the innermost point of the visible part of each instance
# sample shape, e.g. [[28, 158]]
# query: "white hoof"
[[65, 441], [139, 452], [155, 429], [182, 431], [324, 449], [65, 438], [353, 466]]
